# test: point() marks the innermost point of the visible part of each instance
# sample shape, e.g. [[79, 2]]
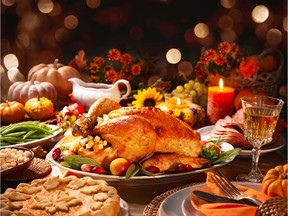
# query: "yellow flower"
[[147, 97]]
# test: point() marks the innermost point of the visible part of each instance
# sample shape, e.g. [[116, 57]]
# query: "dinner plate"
[[140, 180], [178, 203], [38, 142], [205, 131], [124, 208]]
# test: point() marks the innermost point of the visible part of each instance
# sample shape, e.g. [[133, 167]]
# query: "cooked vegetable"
[[24, 132], [275, 182]]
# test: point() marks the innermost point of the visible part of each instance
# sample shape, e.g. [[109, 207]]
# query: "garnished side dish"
[[25, 131], [129, 141]]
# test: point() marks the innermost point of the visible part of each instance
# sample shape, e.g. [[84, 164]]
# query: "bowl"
[[20, 166]]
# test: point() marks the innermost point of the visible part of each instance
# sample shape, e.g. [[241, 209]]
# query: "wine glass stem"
[[255, 158]]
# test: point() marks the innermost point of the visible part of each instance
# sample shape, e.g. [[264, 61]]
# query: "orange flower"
[[114, 54], [111, 76], [136, 69], [249, 66], [126, 58]]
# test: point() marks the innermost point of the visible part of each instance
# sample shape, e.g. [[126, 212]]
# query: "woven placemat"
[[37, 169], [152, 208]]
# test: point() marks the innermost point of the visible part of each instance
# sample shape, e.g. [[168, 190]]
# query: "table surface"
[[138, 197]]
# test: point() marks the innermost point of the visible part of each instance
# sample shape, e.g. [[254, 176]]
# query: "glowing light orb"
[[260, 13], [201, 30], [173, 56]]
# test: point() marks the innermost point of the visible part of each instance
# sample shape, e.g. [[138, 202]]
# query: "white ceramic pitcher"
[[87, 93]]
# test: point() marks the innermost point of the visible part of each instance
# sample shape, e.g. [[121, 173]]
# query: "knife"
[[214, 198]]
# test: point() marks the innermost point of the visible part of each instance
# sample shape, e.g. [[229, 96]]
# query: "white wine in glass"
[[260, 118]]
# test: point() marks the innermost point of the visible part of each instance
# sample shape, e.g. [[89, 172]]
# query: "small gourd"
[[12, 112], [275, 182], [39, 108]]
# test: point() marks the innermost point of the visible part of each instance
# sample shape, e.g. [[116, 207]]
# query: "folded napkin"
[[227, 209]]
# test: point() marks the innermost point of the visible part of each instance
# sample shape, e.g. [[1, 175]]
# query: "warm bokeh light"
[[261, 30], [173, 56], [201, 30], [274, 36], [285, 24], [8, 2], [45, 6], [185, 68], [225, 23], [260, 13], [23, 40], [61, 34], [229, 36], [93, 3], [57, 9], [71, 22], [30, 21], [189, 35], [236, 15], [10, 61], [227, 3]]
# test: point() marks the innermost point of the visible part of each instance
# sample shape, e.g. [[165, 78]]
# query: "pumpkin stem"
[[55, 63]]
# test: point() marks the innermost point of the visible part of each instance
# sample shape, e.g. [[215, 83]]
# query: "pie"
[[61, 197]]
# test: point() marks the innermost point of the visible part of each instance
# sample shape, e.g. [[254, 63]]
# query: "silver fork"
[[230, 190]]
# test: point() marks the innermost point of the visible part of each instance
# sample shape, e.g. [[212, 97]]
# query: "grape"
[[196, 89], [179, 89]]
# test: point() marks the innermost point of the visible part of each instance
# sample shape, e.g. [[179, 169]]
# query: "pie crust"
[[61, 197]]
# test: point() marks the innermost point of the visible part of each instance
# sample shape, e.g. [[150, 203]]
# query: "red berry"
[[98, 170], [188, 167], [55, 155], [86, 168], [153, 169], [180, 168], [57, 150]]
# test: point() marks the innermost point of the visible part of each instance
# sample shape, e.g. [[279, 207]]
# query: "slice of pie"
[[61, 197]]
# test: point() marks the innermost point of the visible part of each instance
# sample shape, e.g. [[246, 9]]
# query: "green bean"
[[16, 134], [26, 127], [29, 133]]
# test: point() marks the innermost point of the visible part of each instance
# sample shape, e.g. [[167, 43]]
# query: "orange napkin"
[[227, 209]]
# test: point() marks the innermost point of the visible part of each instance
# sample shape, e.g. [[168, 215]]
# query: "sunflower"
[[147, 97]]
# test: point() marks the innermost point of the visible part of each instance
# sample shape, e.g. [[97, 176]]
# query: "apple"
[[119, 166]]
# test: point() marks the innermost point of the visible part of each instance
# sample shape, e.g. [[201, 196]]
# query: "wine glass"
[[260, 118]]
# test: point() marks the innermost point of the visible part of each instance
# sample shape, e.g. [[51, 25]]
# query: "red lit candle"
[[220, 102]]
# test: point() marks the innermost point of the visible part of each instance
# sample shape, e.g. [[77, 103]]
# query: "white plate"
[[38, 142], [205, 131], [140, 180], [178, 203], [124, 208]]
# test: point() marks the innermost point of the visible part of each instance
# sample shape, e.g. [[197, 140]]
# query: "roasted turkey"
[[134, 133]]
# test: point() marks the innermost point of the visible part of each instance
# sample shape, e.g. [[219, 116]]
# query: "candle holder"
[[177, 101]]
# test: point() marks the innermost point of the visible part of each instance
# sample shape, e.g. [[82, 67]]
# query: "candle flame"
[[221, 84], [178, 101]]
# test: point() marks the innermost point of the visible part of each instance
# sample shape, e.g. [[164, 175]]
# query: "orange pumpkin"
[[39, 108], [245, 92], [12, 112], [275, 182], [57, 74]]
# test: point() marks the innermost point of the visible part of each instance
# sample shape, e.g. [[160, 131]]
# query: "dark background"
[[162, 25]]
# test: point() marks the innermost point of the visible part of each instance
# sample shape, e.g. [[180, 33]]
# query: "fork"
[[230, 190]]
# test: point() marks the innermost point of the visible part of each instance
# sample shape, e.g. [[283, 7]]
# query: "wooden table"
[[140, 196]]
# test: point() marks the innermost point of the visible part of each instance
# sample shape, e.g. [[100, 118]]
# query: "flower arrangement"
[[147, 97], [226, 61], [116, 65]]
